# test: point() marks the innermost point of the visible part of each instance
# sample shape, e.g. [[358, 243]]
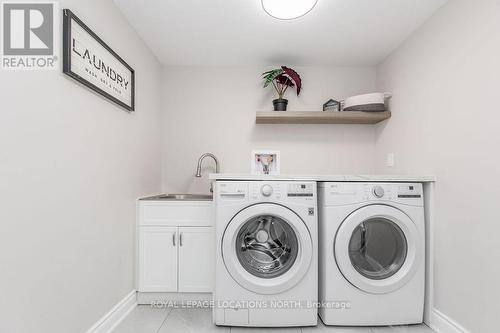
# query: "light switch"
[[390, 160]]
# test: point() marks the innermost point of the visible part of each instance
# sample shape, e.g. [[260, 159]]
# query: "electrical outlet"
[[390, 160]]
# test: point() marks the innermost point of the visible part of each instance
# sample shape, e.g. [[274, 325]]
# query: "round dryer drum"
[[267, 248], [376, 249]]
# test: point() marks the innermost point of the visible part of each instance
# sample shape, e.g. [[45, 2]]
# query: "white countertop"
[[327, 178]]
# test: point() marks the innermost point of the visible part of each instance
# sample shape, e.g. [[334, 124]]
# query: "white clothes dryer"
[[372, 253]]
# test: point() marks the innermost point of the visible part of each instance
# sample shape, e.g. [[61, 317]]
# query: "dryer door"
[[267, 248], [378, 249]]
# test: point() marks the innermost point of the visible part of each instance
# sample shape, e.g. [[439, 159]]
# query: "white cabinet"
[[176, 250], [158, 259], [196, 259]]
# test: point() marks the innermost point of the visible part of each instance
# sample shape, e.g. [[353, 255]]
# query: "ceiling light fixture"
[[288, 9]]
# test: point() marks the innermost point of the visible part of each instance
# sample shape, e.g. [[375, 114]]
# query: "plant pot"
[[280, 104]]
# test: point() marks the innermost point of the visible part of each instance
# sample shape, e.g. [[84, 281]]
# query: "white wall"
[[446, 84], [213, 109], [71, 166]]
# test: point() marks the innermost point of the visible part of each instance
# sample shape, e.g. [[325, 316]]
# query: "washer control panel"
[[300, 190], [266, 191]]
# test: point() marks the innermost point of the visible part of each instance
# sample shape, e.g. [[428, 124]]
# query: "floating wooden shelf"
[[321, 117]]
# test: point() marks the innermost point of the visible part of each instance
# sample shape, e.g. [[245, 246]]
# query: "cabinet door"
[[196, 259], [158, 259]]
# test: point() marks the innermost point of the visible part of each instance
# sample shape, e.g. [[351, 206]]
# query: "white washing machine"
[[266, 254], [372, 254]]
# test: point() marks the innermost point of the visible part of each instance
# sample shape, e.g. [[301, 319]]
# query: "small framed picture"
[[265, 162]]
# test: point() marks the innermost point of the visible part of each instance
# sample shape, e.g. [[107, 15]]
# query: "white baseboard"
[[144, 298], [111, 319], [441, 323]]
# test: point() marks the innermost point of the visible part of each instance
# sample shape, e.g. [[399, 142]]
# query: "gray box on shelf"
[[331, 106]]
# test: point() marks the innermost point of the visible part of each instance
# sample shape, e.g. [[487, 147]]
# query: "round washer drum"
[[376, 249], [267, 248]]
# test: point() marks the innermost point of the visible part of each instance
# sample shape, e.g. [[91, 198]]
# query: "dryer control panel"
[[350, 193]]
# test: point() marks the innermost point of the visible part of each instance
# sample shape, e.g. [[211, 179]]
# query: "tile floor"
[[145, 319]]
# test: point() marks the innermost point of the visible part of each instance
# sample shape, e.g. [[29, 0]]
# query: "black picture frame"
[[68, 17]]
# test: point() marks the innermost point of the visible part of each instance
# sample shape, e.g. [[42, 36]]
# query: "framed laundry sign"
[[90, 61]]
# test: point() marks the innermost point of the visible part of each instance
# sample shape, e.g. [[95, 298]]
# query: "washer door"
[[378, 249], [267, 248]]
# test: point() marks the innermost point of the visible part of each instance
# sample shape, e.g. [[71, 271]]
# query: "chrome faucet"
[[200, 161]]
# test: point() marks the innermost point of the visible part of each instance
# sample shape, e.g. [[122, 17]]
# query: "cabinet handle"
[[180, 239], [173, 238]]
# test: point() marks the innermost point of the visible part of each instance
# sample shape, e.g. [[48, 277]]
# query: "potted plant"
[[281, 79]]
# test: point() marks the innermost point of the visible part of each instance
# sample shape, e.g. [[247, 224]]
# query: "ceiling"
[[240, 33]]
